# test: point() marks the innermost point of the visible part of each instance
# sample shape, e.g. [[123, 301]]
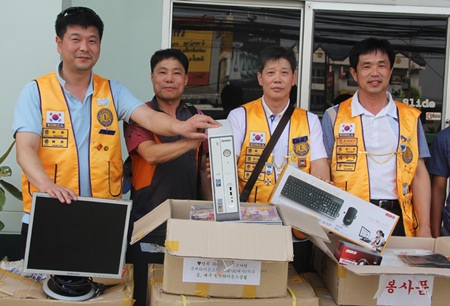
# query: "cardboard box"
[[325, 298], [16, 290], [351, 254], [219, 259], [356, 220], [299, 293], [364, 285]]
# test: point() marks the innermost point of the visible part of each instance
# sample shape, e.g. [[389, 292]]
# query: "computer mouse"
[[350, 215]]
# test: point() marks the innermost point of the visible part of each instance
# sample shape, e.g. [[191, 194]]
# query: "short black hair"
[[370, 45], [78, 15], [163, 54], [275, 52]]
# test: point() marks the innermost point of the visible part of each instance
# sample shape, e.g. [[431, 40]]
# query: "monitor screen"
[[364, 232], [85, 238]]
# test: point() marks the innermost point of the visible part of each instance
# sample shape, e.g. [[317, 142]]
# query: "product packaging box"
[[391, 283], [351, 254], [325, 298], [219, 259], [299, 292], [16, 290], [337, 211]]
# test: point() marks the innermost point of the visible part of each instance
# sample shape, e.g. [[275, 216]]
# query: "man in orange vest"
[[300, 143], [66, 122], [163, 167], [376, 145]]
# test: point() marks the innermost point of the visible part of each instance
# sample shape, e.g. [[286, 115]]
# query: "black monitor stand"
[[69, 288]]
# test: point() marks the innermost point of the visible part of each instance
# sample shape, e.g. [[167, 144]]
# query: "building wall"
[[133, 31], [132, 34]]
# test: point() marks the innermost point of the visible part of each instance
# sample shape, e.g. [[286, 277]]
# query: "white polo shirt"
[[237, 119]]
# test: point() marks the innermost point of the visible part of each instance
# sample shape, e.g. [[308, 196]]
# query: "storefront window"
[[418, 76], [223, 45]]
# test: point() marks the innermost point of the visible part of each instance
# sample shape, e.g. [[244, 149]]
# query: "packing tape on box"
[[172, 245], [201, 289], [342, 272], [249, 292], [296, 278]]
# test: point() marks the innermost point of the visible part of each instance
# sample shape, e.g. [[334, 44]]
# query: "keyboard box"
[[219, 259], [355, 220]]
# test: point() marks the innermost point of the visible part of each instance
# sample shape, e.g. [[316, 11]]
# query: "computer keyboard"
[[312, 197]]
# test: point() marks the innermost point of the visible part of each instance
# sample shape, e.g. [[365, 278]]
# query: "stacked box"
[[298, 292], [16, 290]]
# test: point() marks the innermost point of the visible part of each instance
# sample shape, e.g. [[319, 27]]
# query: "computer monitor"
[[86, 238], [364, 233]]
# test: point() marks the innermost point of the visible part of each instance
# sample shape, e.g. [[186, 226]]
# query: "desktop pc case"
[[224, 180]]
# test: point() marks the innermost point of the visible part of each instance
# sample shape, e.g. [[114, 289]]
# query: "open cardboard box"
[[364, 285], [197, 253]]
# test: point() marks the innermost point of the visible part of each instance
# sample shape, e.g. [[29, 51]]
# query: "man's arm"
[[27, 145], [421, 190], [320, 168], [159, 153], [161, 123], [438, 192]]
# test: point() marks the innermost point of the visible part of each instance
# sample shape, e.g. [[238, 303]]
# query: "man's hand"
[[64, 195], [194, 127]]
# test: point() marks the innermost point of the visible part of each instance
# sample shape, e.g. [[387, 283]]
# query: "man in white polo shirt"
[[376, 145]]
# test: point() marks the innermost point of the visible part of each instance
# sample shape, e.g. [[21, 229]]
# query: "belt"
[[386, 204]]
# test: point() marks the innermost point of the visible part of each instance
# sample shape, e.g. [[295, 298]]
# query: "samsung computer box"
[[223, 172]]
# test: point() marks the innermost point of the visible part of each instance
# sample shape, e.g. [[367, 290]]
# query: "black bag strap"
[[265, 154]]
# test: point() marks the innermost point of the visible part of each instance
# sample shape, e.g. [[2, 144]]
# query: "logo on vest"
[[105, 117], [301, 145], [407, 155]]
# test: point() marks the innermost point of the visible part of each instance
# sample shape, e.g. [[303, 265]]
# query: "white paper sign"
[[405, 290], [236, 272]]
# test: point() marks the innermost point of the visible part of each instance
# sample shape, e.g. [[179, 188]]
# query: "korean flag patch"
[[347, 128], [257, 137]]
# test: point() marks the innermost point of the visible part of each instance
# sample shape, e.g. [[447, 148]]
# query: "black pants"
[[399, 229], [302, 256], [140, 260], [23, 239]]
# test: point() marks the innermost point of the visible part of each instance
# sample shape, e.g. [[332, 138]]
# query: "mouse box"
[[351, 254]]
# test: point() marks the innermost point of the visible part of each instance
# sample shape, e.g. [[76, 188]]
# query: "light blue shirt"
[[28, 118]]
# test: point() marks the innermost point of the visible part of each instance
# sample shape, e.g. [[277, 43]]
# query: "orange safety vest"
[[58, 152], [349, 169], [257, 137]]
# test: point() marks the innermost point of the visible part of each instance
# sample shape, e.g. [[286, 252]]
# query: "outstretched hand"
[[194, 127]]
